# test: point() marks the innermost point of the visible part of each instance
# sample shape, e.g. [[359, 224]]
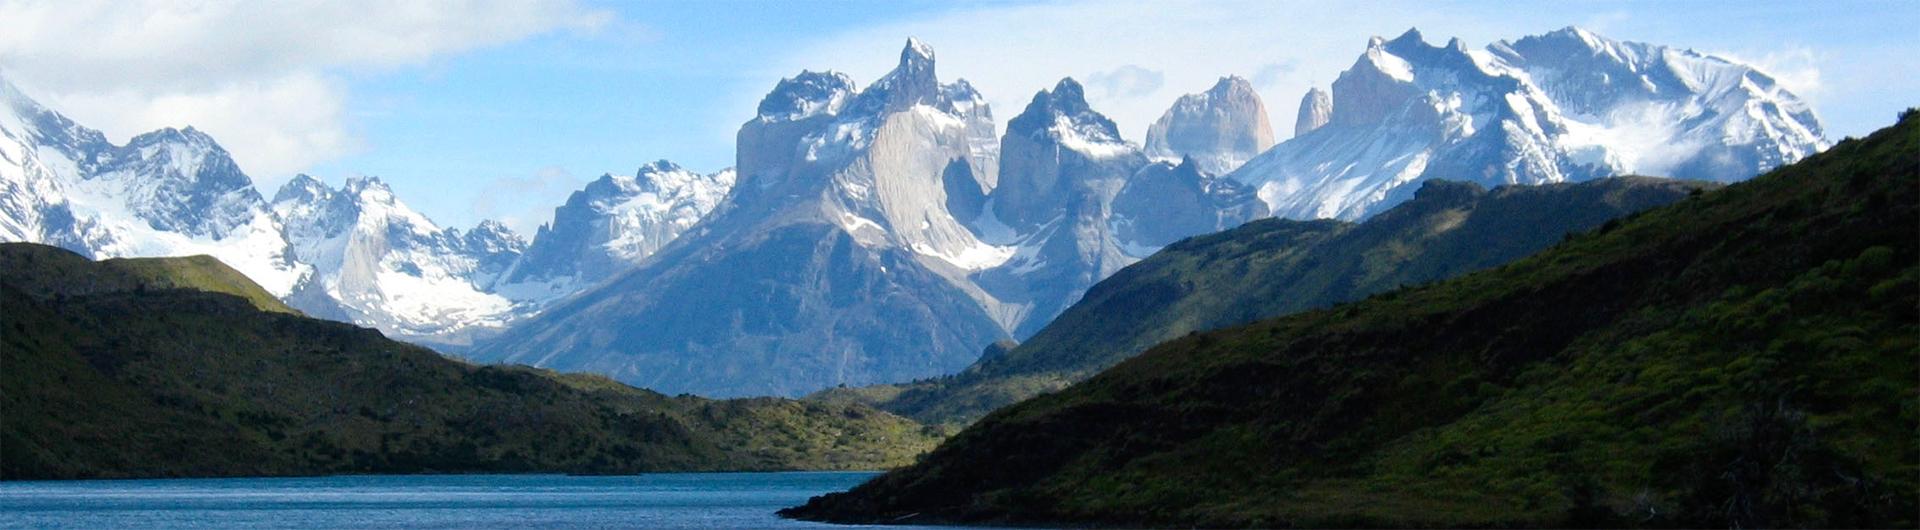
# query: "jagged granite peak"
[[806, 95], [302, 187], [493, 244], [1221, 128], [1066, 101], [983, 137], [836, 258], [912, 82], [1061, 164], [612, 224], [1566, 106], [1316, 108], [1054, 149]]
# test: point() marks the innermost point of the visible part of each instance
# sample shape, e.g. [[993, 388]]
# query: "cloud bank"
[[266, 78]]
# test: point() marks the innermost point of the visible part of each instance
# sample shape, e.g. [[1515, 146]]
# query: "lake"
[[671, 500]]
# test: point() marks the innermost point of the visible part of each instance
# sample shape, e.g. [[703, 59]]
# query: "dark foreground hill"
[[179, 367], [1744, 358], [1276, 267]]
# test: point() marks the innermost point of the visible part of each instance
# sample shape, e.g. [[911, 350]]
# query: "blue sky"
[[477, 109]]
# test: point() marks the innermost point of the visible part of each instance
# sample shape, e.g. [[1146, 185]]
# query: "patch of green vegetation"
[[1743, 358], [112, 370], [1276, 267], [48, 271], [202, 273]]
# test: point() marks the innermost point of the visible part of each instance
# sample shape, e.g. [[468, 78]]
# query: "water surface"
[[676, 500]]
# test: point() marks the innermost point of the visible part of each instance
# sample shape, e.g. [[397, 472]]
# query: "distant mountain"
[[379, 263], [1743, 358], [356, 253], [880, 235], [611, 225], [976, 241], [1061, 165], [1165, 202], [903, 195], [167, 192], [1220, 129], [835, 259], [1316, 109], [175, 367], [1275, 267], [1566, 106]]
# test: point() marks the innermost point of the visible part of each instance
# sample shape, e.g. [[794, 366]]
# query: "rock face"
[[1565, 106], [1220, 129], [1062, 163], [611, 225], [1316, 109], [1163, 203], [834, 260]]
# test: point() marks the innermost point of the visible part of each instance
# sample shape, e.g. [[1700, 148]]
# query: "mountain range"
[[890, 232], [356, 253], [1741, 358], [1569, 105]]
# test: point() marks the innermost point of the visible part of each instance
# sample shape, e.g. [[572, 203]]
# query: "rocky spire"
[[1220, 128], [1315, 109], [912, 82]]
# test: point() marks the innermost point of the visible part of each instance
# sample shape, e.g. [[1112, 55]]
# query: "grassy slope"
[[203, 273], [1747, 357], [44, 271], [1276, 267], [103, 374]]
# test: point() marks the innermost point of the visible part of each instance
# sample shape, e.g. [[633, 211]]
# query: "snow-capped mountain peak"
[[806, 95], [610, 225], [1569, 105], [378, 262], [165, 193], [1062, 115]]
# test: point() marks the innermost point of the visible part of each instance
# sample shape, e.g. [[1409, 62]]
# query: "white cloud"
[[523, 203], [1274, 73], [262, 77], [1127, 81], [1796, 68]]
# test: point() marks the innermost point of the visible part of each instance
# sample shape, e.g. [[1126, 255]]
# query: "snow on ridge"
[[1568, 105]]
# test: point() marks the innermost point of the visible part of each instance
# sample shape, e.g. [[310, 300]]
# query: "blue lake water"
[[674, 500]]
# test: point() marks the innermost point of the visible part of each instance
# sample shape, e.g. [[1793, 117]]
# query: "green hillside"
[[1744, 358], [112, 369], [1276, 267], [46, 271]]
